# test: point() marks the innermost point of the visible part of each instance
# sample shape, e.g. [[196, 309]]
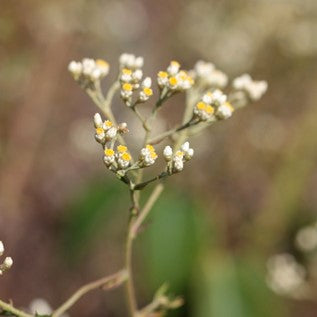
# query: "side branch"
[[108, 282], [12, 310]]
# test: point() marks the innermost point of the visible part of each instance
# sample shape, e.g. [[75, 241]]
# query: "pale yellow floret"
[[109, 152], [183, 75], [153, 155], [210, 109], [229, 105], [99, 131], [108, 124], [148, 91], [201, 105], [150, 148], [102, 63], [175, 63], [126, 71], [121, 148], [127, 87], [162, 74], [179, 153], [173, 81], [126, 156]]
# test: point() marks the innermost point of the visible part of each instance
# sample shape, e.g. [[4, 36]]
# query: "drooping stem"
[[12, 310], [104, 283]]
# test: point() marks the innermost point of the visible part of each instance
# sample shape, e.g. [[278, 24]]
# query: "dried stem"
[[108, 282]]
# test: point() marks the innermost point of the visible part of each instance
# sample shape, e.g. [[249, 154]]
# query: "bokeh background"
[[250, 187]]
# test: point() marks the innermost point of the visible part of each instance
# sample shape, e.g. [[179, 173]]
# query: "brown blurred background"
[[250, 187]]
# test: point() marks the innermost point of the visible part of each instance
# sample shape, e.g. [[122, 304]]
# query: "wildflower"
[[146, 91], [98, 121], [207, 74], [111, 133], [89, 69], [174, 79], [218, 98], [100, 135], [126, 91], [225, 111], [254, 89], [109, 156], [130, 61], [189, 152], [178, 162], [124, 159], [203, 111], [123, 128], [168, 153], [7, 263], [147, 156], [126, 75]]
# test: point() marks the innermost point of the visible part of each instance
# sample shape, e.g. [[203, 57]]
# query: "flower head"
[[254, 89], [148, 156]]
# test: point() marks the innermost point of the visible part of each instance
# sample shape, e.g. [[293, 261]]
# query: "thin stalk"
[[104, 283], [14, 311]]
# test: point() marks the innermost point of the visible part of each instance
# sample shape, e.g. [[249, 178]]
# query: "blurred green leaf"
[[88, 214]]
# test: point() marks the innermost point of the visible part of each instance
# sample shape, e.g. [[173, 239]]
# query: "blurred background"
[[216, 231]]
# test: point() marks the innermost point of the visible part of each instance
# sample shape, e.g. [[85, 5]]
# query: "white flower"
[[8, 262], [162, 79], [137, 75], [168, 153], [147, 82], [188, 152], [254, 89], [148, 156], [178, 162], [88, 66], [130, 61], [203, 69], [217, 78], [218, 97], [109, 156], [124, 159], [111, 133], [41, 307], [225, 111], [306, 238], [97, 120], [1, 248], [203, 111], [173, 68], [126, 91], [75, 68]]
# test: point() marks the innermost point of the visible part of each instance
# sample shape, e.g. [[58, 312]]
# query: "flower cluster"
[[148, 156], [174, 79], [105, 131], [7, 263], [213, 105], [130, 79], [254, 89], [208, 75], [89, 69], [121, 159], [176, 160]]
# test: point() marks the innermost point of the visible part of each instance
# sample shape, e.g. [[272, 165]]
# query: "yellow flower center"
[[126, 156], [173, 81], [109, 152], [99, 131], [150, 148], [210, 109], [121, 148], [179, 153], [153, 155], [108, 123], [148, 91], [102, 63], [175, 64], [126, 71], [201, 106], [162, 74], [127, 87]]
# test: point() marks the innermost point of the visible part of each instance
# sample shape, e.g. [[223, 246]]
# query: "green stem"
[[14, 311]]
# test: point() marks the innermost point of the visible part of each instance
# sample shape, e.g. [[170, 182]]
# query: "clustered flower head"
[[7, 262], [208, 75], [254, 89], [130, 79], [176, 160], [213, 105], [89, 69], [106, 131], [174, 79], [148, 156]]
